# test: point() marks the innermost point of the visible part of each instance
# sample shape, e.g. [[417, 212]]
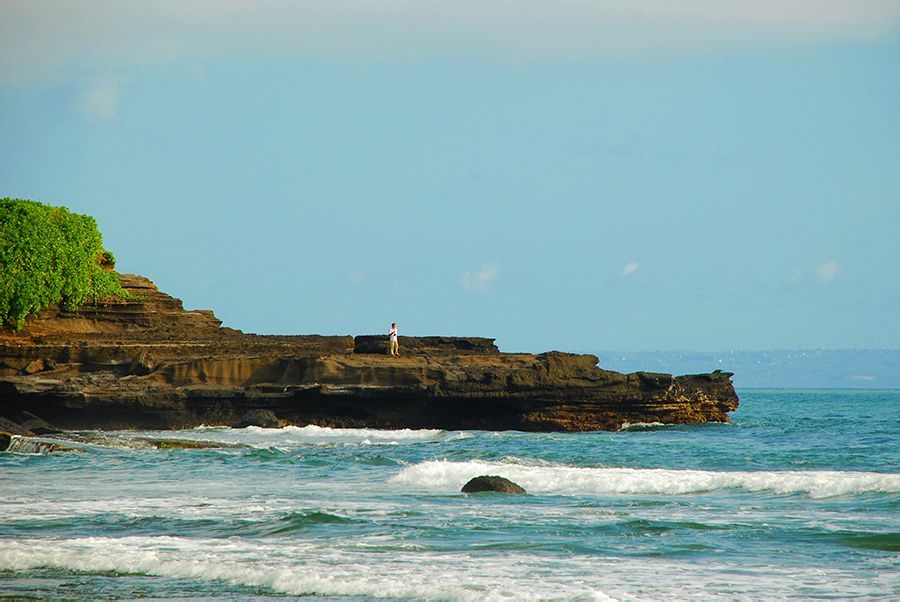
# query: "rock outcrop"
[[148, 363], [493, 484]]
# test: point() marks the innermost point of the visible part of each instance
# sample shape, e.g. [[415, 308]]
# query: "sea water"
[[798, 497]]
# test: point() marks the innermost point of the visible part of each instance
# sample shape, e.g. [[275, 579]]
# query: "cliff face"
[[150, 364]]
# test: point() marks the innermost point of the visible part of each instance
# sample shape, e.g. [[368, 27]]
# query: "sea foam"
[[314, 571], [442, 475], [311, 435], [314, 431]]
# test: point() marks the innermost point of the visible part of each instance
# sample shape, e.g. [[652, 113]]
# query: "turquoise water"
[[798, 497]]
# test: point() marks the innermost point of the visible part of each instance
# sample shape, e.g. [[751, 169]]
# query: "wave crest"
[[442, 475], [315, 571]]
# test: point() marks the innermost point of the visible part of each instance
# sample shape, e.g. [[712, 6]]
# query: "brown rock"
[[493, 484], [378, 344], [37, 425], [149, 363], [13, 428], [34, 366], [141, 365]]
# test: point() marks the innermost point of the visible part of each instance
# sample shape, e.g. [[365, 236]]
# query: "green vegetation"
[[50, 255]]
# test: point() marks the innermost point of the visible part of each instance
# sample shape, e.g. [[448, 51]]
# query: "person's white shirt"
[[393, 333]]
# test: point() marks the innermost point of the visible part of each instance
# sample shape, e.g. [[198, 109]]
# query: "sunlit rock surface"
[[148, 363]]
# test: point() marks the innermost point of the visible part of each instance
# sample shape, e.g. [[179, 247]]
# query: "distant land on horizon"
[[780, 368]]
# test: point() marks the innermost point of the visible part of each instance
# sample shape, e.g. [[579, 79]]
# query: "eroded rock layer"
[[148, 363]]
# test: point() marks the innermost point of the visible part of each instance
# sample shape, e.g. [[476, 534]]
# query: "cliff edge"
[[149, 363]]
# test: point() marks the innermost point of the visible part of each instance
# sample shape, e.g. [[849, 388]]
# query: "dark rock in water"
[[5, 440], [261, 418], [491, 483], [13, 428], [37, 425]]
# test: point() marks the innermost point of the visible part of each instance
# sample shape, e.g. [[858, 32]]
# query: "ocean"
[[799, 497]]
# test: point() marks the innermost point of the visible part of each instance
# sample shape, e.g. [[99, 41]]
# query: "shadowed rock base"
[[148, 363], [261, 418]]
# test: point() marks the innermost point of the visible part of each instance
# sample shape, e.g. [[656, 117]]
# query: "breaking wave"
[[293, 436], [313, 430], [317, 572], [442, 475], [644, 426], [313, 434], [19, 444]]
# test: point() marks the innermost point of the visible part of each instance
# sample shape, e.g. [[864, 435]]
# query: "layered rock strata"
[[148, 363]]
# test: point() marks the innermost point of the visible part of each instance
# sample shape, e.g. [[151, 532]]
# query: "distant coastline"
[[778, 368]]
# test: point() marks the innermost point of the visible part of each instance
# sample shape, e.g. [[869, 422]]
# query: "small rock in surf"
[[491, 483]]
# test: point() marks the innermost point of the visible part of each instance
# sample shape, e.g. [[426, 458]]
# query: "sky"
[[575, 175]]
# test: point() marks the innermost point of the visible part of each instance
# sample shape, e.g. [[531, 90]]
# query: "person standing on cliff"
[[395, 343]]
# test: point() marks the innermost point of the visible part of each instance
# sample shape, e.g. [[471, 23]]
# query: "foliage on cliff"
[[50, 255]]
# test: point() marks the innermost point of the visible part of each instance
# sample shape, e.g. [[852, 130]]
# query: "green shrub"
[[50, 255]]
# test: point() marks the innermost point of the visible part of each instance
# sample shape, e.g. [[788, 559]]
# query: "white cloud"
[[828, 271], [101, 100], [356, 277], [37, 38], [630, 268], [481, 280]]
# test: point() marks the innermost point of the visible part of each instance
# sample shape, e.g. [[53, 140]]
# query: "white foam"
[[27, 445], [626, 426], [19, 444], [322, 432], [295, 569], [303, 569], [294, 436], [449, 476]]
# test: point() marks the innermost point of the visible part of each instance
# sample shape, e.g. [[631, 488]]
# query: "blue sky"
[[573, 175]]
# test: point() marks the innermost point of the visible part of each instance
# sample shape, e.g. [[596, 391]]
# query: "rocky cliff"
[[148, 363]]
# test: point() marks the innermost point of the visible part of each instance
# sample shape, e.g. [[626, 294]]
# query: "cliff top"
[[151, 318]]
